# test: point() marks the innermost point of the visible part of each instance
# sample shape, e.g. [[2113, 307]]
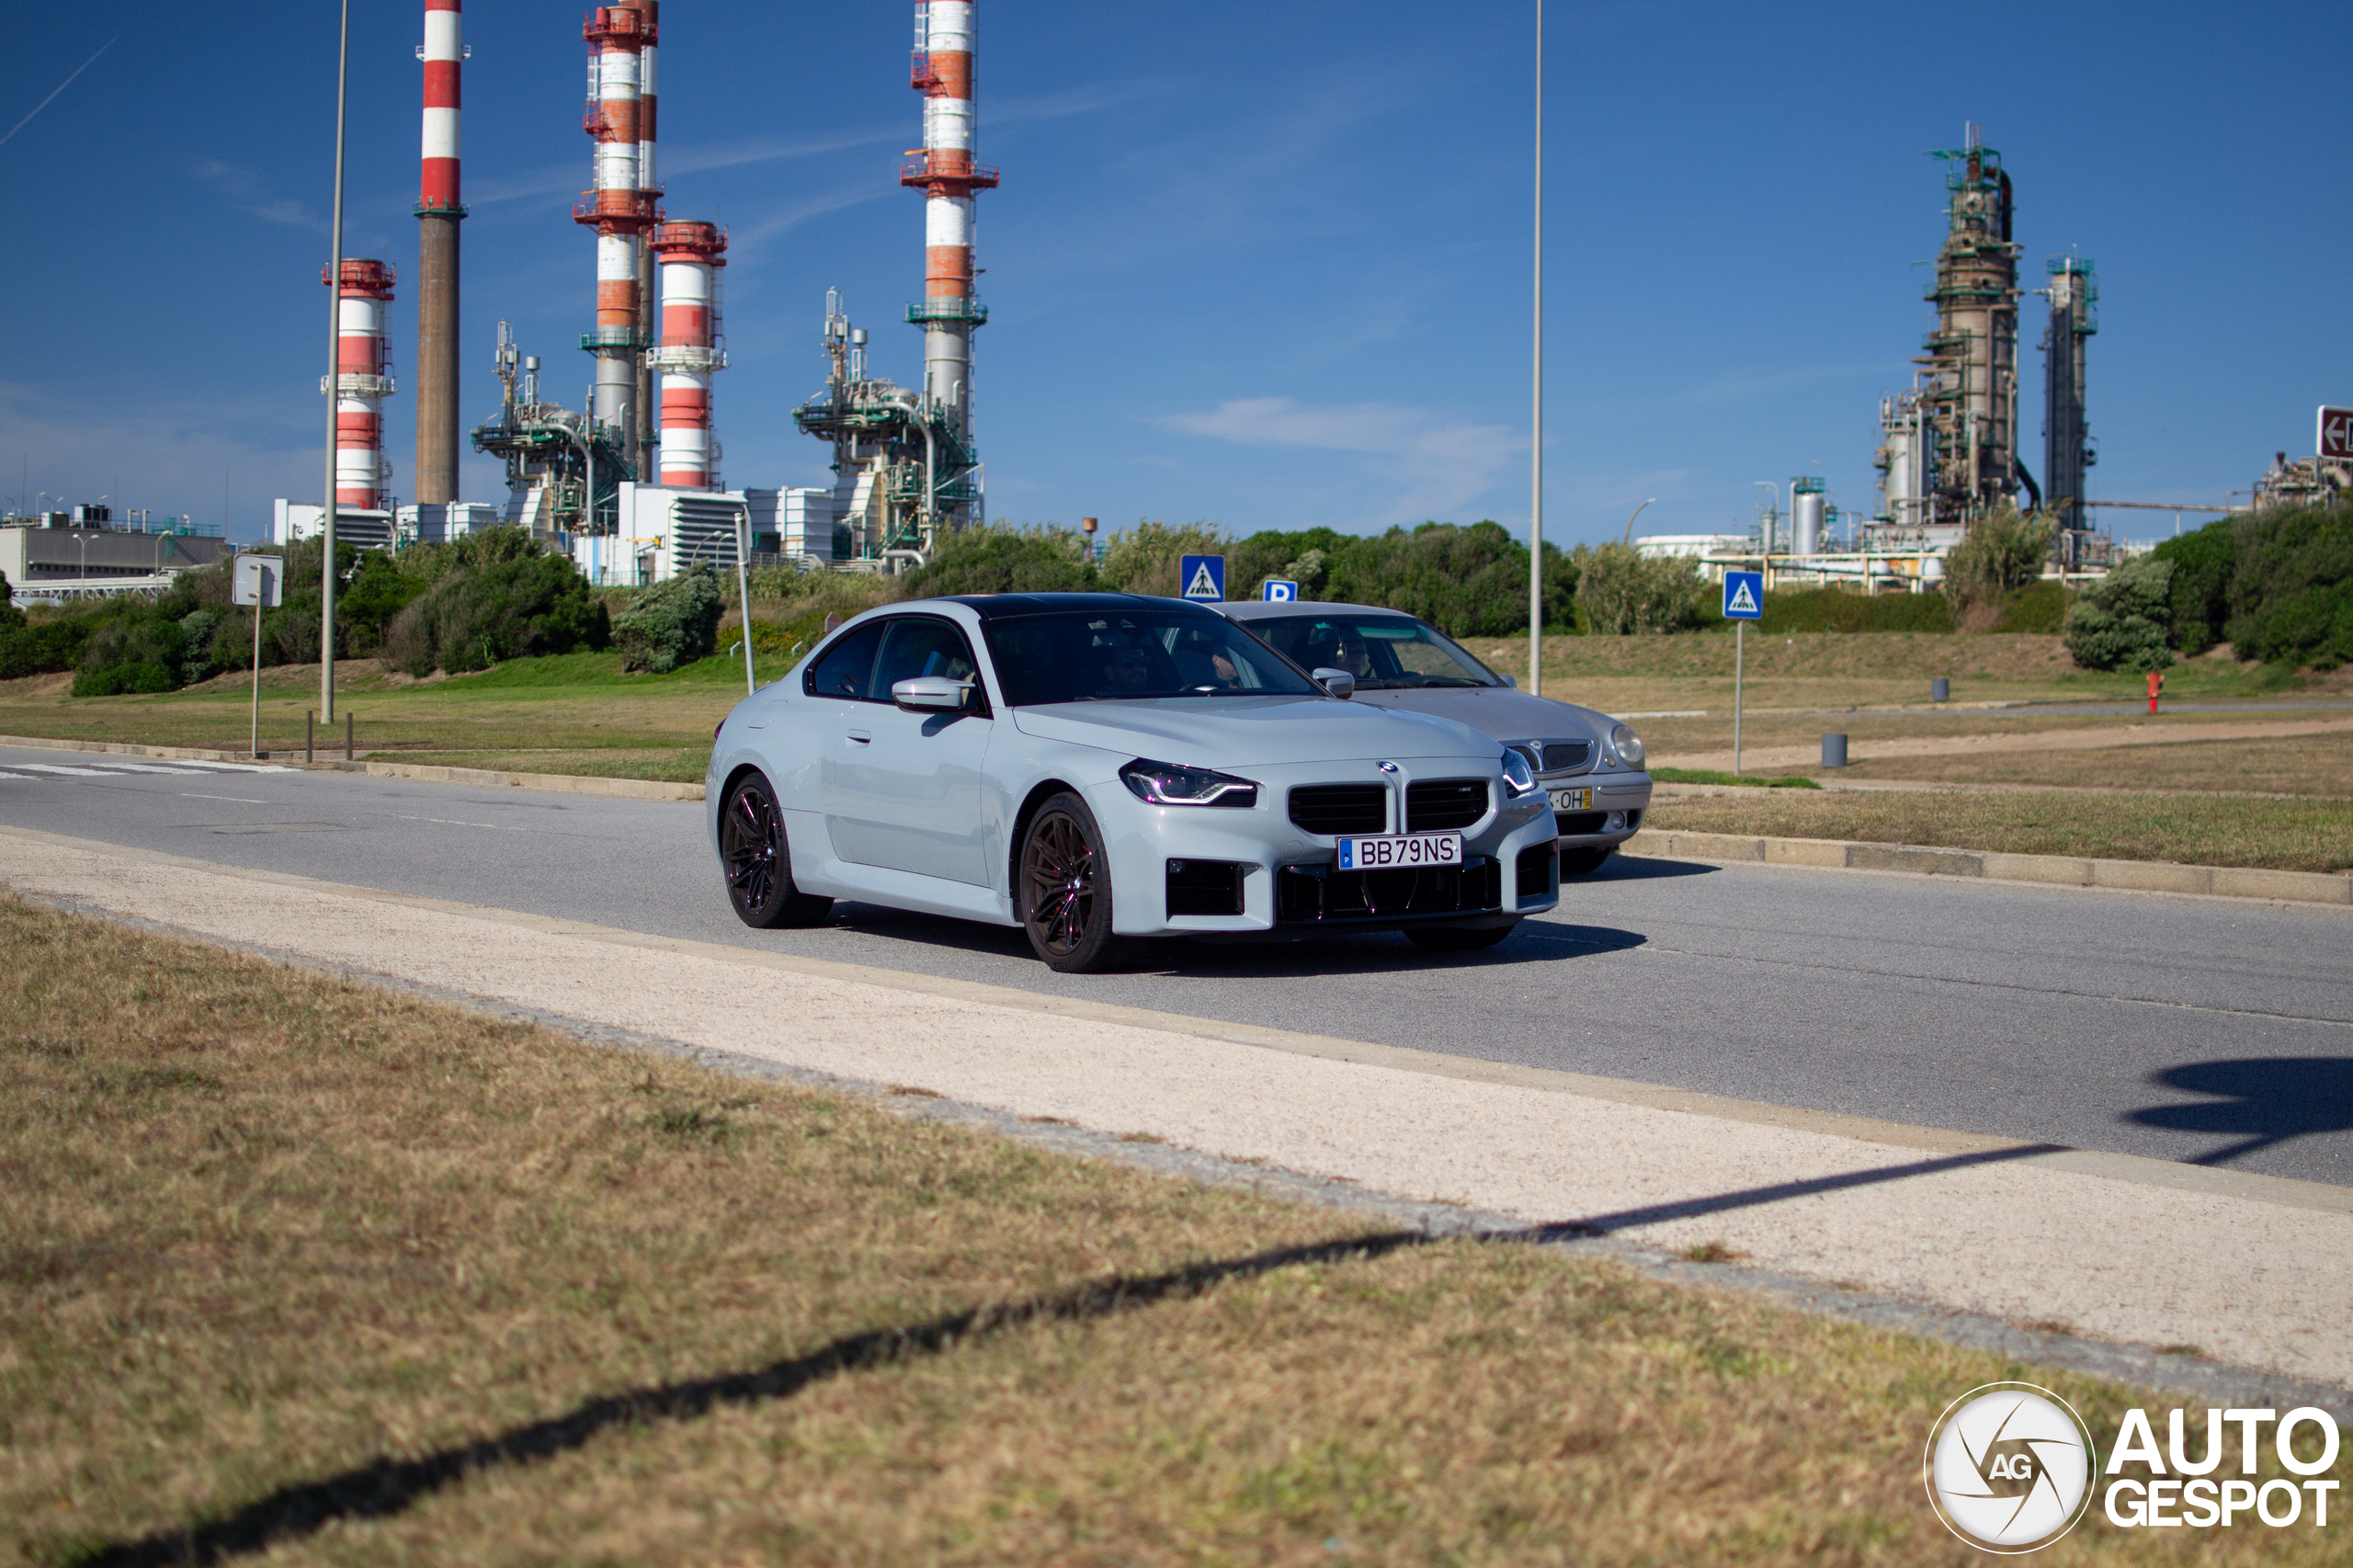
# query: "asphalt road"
[[2194, 1029]]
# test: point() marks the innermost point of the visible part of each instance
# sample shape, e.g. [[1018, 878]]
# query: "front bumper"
[[1618, 795], [1233, 873]]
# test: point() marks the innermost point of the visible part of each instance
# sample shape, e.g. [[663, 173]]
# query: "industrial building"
[[81, 554]]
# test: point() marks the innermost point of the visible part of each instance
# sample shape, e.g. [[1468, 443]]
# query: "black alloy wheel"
[[1066, 889], [758, 862], [1584, 862], [1460, 939]]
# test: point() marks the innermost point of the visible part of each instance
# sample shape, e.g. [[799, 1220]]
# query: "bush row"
[[2277, 585]]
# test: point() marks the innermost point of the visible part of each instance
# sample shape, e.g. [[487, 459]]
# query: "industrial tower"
[[363, 379], [907, 468], [693, 345], [439, 213], [2067, 447], [1971, 396], [622, 207]]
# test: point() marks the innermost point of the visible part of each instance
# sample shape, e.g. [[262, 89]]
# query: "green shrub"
[[139, 650], [1144, 559], [118, 680], [2002, 552], [1795, 610], [1467, 582], [379, 590], [48, 648], [2291, 589], [671, 623], [1044, 560], [2121, 623], [1622, 592], [509, 606], [2038, 607], [2203, 561]]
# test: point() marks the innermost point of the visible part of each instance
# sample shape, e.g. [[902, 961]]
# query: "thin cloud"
[[1435, 462], [59, 88], [252, 197]]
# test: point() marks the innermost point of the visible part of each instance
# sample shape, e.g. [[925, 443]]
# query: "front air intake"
[[1333, 809], [1438, 804]]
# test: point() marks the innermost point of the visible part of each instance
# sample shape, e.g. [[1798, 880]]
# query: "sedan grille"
[[1434, 805], [1560, 756], [1333, 809]]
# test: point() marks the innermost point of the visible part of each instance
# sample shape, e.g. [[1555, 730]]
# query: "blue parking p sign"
[[1279, 590], [1201, 577], [1744, 595]]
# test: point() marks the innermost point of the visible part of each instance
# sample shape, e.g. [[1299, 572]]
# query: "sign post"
[[1279, 590], [1744, 602], [2334, 442], [257, 583], [1201, 577]]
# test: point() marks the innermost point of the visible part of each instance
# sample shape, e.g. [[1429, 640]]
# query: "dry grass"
[[2302, 765], [267, 1228], [2293, 835], [677, 765]]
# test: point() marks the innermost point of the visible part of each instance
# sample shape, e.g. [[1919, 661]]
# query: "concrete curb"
[[561, 783], [2056, 870], [119, 749]]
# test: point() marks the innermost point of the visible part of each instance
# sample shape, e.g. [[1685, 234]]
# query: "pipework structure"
[[2067, 449], [693, 347], [620, 206], [439, 210], [363, 379], [945, 70], [1970, 392], [563, 471]]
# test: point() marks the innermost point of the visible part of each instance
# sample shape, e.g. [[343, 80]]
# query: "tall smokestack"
[[944, 72], [647, 103], [362, 381], [691, 255], [619, 209], [439, 213]]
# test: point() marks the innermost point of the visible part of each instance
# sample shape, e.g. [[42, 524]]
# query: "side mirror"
[[1339, 683], [1511, 682], [933, 694]]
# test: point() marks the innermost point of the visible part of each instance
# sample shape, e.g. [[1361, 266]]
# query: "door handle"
[[860, 736]]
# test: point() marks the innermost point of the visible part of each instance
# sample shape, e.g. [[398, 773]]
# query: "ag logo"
[[2009, 1467]]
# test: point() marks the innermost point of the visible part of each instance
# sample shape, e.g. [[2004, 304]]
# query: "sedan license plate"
[[1396, 850], [1573, 800]]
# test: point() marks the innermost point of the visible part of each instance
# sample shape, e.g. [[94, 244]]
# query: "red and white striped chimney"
[[693, 345], [363, 379], [944, 72], [439, 210], [619, 208], [444, 53]]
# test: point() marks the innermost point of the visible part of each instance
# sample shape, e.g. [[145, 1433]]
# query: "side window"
[[920, 646], [847, 668]]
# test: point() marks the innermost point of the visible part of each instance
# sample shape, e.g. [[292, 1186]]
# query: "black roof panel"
[[1002, 607]]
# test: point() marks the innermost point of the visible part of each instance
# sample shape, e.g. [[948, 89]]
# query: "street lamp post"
[[1536, 410], [334, 384], [1629, 520]]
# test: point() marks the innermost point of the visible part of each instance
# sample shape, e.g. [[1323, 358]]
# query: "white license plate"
[[1392, 850], [1573, 800]]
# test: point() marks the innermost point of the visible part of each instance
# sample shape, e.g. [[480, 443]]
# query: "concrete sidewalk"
[[2253, 1270]]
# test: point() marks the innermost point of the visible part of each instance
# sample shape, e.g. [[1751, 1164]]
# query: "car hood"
[[1243, 732], [1496, 711]]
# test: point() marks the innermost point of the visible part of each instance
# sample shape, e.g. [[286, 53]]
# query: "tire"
[[1584, 862], [758, 862], [1065, 890], [1456, 940]]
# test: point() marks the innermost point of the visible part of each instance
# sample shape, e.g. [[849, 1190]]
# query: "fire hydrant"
[[2156, 684]]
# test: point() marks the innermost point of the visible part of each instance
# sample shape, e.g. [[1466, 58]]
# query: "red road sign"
[[2335, 438]]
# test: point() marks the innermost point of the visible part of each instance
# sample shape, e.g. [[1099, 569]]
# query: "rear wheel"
[[758, 862], [1584, 862], [1456, 940], [1066, 889]]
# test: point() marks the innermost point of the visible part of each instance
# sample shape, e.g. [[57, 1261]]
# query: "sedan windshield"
[[1125, 655], [1381, 651]]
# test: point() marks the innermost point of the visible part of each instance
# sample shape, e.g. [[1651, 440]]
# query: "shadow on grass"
[[388, 1487]]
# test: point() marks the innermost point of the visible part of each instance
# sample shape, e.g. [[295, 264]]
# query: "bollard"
[[1940, 690], [1833, 751], [347, 753], [309, 717], [2156, 684]]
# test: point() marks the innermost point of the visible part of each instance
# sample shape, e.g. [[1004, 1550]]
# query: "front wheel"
[[1456, 940], [1584, 862], [758, 862], [1066, 889]]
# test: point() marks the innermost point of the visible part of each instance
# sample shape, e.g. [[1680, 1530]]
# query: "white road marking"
[[241, 800], [452, 822], [182, 772], [53, 767]]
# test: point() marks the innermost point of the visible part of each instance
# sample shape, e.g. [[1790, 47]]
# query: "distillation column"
[[620, 208], [692, 348], [2066, 442], [944, 70], [363, 379], [1972, 383], [439, 213]]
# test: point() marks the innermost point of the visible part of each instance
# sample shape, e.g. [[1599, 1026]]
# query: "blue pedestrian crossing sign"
[[1279, 590], [1744, 595], [1203, 578]]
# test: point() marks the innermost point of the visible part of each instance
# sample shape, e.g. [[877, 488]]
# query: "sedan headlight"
[[1629, 745], [1172, 784], [1517, 773]]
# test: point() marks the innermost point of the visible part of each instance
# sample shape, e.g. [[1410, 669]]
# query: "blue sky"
[[1264, 265]]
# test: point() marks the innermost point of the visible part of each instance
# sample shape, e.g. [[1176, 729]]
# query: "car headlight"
[[1172, 784], [1629, 745], [1517, 773]]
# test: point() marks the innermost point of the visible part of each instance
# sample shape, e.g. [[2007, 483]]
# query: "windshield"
[[1124, 655], [1381, 651]]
